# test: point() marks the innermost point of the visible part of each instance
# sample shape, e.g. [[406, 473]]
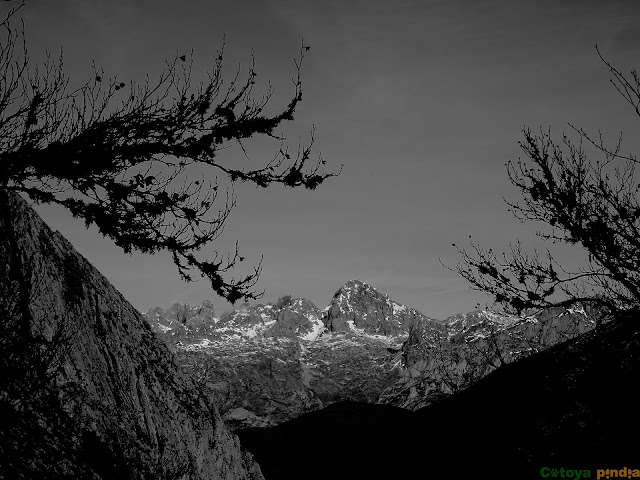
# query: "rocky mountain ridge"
[[357, 308], [265, 364]]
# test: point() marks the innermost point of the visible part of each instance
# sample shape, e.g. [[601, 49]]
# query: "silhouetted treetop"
[[589, 203], [121, 155]]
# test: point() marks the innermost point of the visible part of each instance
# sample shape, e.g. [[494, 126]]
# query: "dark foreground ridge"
[[572, 406], [87, 390]]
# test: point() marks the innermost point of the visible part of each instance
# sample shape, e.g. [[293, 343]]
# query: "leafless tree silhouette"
[[121, 156], [581, 202]]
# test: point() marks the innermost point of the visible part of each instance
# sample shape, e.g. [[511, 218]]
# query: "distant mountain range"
[[356, 308], [265, 364]]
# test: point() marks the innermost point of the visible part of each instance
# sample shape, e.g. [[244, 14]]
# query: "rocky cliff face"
[[89, 391]]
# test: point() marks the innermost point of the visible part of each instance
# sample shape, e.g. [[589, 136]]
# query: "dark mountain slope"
[[87, 389], [346, 440], [571, 406]]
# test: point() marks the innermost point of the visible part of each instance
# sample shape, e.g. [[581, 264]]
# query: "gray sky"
[[422, 101]]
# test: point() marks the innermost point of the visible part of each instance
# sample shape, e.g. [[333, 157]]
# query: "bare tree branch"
[[121, 155], [588, 203]]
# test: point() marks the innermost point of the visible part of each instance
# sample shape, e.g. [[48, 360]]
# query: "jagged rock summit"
[[356, 308], [358, 305], [183, 320], [297, 319], [87, 389]]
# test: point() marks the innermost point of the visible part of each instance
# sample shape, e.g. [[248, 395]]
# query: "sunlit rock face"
[[88, 390]]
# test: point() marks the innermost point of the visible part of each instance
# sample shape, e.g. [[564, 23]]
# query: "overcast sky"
[[423, 102]]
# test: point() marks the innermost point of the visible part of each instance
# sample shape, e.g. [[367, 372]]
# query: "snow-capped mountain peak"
[[369, 310]]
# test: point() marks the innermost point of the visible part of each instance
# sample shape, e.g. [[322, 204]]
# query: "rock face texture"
[[88, 390]]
